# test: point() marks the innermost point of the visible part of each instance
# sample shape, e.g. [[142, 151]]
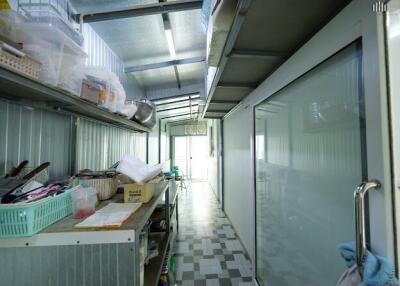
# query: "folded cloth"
[[351, 277], [377, 271]]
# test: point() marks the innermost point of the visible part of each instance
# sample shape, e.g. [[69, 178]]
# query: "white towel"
[[351, 277]]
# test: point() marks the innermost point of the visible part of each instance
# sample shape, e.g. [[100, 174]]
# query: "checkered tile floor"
[[207, 251]]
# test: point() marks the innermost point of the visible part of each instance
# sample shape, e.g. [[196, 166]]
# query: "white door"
[[190, 155]]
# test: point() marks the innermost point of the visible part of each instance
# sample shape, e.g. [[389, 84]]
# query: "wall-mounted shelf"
[[18, 88]]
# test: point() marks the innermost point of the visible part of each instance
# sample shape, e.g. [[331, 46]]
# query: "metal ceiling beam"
[[217, 111], [139, 10], [191, 95], [178, 80], [178, 101], [224, 102], [179, 115], [236, 85], [249, 54], [241, 12], [175, 108], [164, 64]]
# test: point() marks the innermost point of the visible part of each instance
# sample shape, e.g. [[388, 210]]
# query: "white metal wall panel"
[[86, 265], [36, 135], [98, 146], [238, 193], [214, 159]]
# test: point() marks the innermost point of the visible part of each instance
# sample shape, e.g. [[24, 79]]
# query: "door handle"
[[359, 207]]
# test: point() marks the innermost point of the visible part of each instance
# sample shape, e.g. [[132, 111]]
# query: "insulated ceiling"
[[270, 32], [141, 40]]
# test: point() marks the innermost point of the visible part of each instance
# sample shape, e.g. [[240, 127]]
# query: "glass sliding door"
[[310, 154]]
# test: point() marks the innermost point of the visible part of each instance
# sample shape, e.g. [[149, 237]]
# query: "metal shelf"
[[19, 88], [152, 271]]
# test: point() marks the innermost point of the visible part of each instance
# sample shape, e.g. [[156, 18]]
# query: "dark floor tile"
[[234, 273], [211, 276], [200, 282], [198, 252], [188, 275], [225, 282], [229, 257], [223, 265], [196, 266], [217, 251], [247, 279]]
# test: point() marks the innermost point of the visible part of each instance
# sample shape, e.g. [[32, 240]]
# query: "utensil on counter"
[[13, 186], [16, 170]]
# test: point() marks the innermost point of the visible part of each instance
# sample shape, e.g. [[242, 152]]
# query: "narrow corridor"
[[208, 251]]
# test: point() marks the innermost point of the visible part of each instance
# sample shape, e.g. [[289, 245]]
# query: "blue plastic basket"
[[17, 220]]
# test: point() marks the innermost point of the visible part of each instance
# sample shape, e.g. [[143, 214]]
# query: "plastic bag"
[[137, 170]]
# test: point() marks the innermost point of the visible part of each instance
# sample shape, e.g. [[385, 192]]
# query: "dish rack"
[[17, 61], [27, 219]]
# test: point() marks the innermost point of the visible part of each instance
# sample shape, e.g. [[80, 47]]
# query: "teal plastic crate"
[[17, 220]]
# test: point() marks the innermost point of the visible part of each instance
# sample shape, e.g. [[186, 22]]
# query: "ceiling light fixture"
[[170, 41]]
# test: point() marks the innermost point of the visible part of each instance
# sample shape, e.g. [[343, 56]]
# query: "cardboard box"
[[139, 193], [90, 92]]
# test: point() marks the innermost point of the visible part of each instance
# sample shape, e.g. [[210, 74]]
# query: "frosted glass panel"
[[309, 158]]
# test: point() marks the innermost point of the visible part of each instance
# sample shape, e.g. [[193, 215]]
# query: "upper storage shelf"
[[16, 87]]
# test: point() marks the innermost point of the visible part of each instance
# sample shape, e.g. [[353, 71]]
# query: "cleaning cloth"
[[377, 271]]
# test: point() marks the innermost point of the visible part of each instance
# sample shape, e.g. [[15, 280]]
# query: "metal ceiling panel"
[[230, 93], [269, 28], [240, 70], [94, 5], [220, 106], [285, 24], [189, 35], [193, 73], [153, 78], [136, 41], [214, 114]]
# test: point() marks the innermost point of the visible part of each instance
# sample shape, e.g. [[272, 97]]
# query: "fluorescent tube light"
[[170, 41]]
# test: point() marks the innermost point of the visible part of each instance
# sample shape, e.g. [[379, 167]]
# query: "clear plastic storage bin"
[[62, 59]]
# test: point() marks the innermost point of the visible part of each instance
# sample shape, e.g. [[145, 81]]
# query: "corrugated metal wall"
[[99, 54], [99, 146], [84, 265], [39, 136], [36, 135]]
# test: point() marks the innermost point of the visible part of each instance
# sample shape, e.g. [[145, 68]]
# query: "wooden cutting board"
[[111, 216]]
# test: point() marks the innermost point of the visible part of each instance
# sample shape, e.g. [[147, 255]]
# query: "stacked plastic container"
[[114, 95], [50, 39]]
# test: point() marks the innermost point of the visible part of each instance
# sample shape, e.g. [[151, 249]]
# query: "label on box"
[[133, 196]]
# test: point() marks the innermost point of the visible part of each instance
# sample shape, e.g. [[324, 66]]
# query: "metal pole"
[[359, 211]]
